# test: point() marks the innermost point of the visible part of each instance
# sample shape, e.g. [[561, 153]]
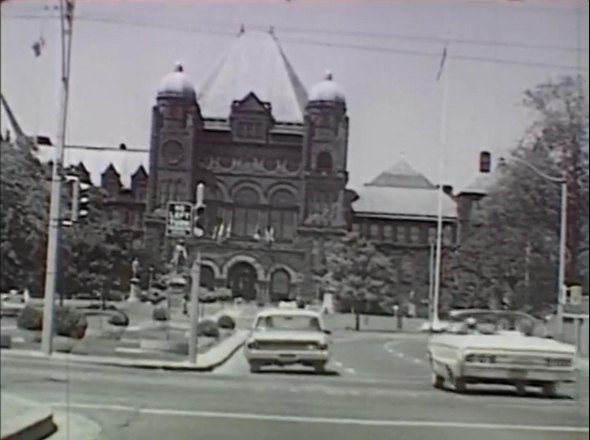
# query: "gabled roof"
[[254, 63], [402, 203], [401, 192], [402, 175], [96, 161]]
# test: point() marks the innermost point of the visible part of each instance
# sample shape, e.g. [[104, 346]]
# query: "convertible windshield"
[[491, 322], [288, 322]]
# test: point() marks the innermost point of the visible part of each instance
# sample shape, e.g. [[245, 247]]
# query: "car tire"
[[459, 385], [438, 381], [254, 367], [521, 389], [320, 368], [549, 389]]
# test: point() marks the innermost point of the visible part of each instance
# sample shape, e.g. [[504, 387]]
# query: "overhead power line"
[[333, 32]]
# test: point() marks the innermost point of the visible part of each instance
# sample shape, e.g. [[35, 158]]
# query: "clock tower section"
[[176, 124]]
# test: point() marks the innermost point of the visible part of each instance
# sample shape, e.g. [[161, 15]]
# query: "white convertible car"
[[498, 347], [287, 337]]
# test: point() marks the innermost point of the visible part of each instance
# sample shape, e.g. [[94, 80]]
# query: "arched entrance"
[[242, 281], [280, 282], [207, 279]]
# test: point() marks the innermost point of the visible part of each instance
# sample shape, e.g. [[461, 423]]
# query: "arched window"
[[283, 214], [324, 162], [246, 218]]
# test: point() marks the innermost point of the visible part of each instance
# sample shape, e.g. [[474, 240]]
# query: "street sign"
[[179, 219]]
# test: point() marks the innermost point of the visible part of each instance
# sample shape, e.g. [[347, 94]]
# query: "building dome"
[[176, 85], [327, 90]]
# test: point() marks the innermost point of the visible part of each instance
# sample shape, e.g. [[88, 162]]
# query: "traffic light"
[[80, 200], [485, 162], [199, 223]]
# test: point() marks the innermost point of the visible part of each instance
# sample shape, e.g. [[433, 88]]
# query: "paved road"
[[376, 387]]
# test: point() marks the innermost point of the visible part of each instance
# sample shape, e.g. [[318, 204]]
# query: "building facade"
[[273, 160]]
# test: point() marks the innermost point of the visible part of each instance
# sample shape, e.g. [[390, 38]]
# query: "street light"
[[562, 180]]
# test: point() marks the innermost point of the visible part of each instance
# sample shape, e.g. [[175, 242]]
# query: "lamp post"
[[562, 180]]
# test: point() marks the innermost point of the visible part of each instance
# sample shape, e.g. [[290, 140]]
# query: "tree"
[[24, 206], [96, 252], [512, 255], [358, 272]]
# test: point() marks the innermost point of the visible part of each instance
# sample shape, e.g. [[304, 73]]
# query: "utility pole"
[[198, 231], [67, 21], [435, 323]]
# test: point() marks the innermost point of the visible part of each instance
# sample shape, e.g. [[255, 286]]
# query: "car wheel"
[[521, 389], [320, 368], [254, 367], [459, 385], [438, 381], [549, 389]]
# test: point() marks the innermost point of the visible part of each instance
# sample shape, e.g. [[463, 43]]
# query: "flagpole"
[[435, 323]]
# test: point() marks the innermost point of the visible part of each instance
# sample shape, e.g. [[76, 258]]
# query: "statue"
[[135, 268], [179, 256], [135, 288]]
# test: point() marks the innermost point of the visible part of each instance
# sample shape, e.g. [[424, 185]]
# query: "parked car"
[[288, 337], [498, 347]]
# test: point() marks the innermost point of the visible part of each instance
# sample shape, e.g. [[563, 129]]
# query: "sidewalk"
[[207, 361], [25, 420], [582, 364]]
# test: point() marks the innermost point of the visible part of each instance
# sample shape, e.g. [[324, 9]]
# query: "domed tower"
[[176, 122], [325, 154]]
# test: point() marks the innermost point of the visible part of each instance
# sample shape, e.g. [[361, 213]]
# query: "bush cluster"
[[226, 322], [160, 314], [208, 328]]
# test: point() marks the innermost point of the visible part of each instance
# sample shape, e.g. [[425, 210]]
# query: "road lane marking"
[[338, 364], [325, 420], [417, 361], [350, 370], [400, 354]]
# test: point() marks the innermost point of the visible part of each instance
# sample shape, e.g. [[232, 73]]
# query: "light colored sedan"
[[498, 347], [288, 337]]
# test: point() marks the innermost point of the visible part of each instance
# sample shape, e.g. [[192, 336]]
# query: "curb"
[[74, 426], [34, 424], [132, 363]]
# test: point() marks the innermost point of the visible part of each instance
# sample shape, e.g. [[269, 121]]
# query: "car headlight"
[[252, 345]]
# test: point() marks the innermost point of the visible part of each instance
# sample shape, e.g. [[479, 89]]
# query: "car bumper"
[[287, 357], [497, 374]]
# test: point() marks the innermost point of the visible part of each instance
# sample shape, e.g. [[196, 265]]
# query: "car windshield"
[[492, 323], [288, 322]]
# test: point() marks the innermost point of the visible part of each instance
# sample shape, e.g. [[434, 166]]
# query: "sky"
[[384, 54]]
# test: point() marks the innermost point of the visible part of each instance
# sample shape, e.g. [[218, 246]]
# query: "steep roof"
[[254, 63], [401, 175], [96, 161], [402, 192], [402, 203]]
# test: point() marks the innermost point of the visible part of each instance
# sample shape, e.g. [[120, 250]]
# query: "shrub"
[[160, 314], [119, 319], [70, 322], [226, 322], [30, 318], [208, 328]]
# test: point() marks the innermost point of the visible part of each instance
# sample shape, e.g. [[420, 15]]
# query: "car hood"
[[505, 342], [281, 335]]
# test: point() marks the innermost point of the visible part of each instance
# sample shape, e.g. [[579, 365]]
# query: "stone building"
[[273, 158]]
